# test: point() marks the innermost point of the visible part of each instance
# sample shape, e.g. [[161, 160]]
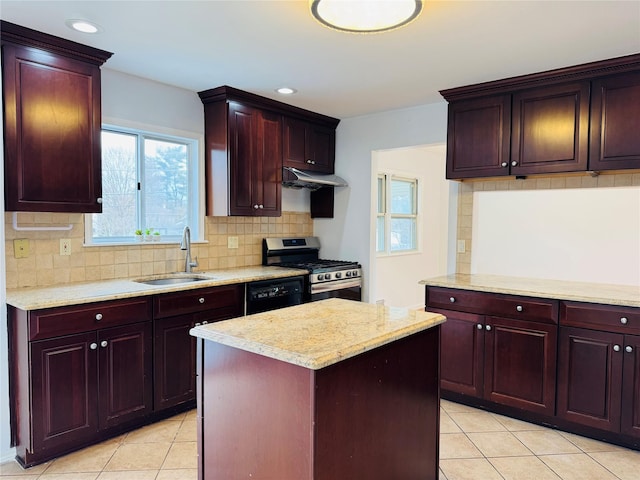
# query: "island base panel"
[[373, 416]]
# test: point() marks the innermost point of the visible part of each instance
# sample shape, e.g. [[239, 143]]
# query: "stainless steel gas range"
[[326, 279]]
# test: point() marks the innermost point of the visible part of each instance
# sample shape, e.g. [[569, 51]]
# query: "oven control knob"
[[355, 273], [327, 276], [338, 275], [348, 273], [320, 277]]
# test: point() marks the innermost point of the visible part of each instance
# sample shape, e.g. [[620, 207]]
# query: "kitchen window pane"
[[381, 195], [403, 196], [403, 234], [380, 244]]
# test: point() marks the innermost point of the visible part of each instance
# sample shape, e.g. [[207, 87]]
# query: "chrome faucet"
[[185, 244]]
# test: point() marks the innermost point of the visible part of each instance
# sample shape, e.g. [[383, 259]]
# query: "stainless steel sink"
[[172, 279]]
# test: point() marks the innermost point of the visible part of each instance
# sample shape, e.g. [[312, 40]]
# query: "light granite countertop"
[[88, 292], [623, 295], [318, 334]]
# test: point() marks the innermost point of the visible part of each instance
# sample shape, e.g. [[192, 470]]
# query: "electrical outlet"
[[232, 242], [65, 246], [21, 248], [462, 246]]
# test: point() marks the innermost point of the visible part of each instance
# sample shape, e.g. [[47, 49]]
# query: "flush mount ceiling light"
[[365, 16], [83, 26]]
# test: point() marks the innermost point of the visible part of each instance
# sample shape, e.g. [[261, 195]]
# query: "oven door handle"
[[335, 285]]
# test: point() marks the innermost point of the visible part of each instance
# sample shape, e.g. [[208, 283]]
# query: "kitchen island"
[[330, 390]]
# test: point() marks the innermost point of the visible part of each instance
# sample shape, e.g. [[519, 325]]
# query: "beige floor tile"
[[447, 425], [476, 422], [623, 463], [469, 469], [590, 445], [69, 476], [515, 425], [523, 468], [181, 474], [182, 455], [129, 475], [187, 431], [191, 414], [498, 444], [19, 477], [441, 475], [90, 459], [157, 432], [457, 445], [138, 456], [577, 466], [457, 407], [13, 468], [546, 442]]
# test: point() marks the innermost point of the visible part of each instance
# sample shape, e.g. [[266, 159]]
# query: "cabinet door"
[[478, 137], [615, 123], [461, 352], [630, 415], [550, 129], [520, 364], [52, 132], [322, 148], [125, 366], [295, 144], [64, 391], [308, 146], [590, 377], [174, 365], [255, 149]]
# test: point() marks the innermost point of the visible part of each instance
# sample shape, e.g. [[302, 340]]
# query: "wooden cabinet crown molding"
[[17, 34], [584, 71], [246, 98]]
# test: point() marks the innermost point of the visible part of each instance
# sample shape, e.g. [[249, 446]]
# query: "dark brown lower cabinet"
[[599, 380]]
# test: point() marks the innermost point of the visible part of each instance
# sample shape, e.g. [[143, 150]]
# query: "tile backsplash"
[[466, 189], [45, 266]]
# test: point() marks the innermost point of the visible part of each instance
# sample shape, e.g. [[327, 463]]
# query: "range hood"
[[294, 178]]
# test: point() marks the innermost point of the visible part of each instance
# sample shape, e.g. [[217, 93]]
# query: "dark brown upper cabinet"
[[615, 122], [567, 120], [52, 121], [249, 138], [309, 146]]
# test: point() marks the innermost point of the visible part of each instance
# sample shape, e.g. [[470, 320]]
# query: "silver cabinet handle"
[[99, 200], [628, 349], [452, 299], [488, 327], [616, 348], [93, 346], [261, 206], [256, 206], [311, 162], [201, 299], [514, 163], [98, 317], [504, 164], [519, 308], [103, 343], [624, 320], [205, 322], [479, 326], [198, 324]]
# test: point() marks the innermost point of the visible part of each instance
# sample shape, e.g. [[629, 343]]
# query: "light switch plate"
[[21, 248], [65, 246], [462, 247]]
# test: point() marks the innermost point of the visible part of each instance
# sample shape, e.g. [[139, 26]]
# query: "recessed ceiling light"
[[83, 26], [286, 90]]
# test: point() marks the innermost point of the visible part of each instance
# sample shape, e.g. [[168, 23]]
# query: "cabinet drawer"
[[199, 300], [53, 322], [512, 306], [609, 318]]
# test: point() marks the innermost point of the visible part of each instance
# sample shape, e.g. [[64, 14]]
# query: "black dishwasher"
[[268, 295]]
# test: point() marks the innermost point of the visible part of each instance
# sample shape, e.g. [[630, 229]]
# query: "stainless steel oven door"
[[350, 289]]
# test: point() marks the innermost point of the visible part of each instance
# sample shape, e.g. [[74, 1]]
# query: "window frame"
[[195, 179], [387, 216]]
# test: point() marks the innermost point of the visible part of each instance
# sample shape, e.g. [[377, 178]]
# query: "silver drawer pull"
[[93, 346], [504, 164], [205, 322], [488, 327], [616, 348], [479, 326], [103, 343], [198, 324], [452, 299], [98, 317], [624, 320], [519, 308], [201, 299], [628, 349]]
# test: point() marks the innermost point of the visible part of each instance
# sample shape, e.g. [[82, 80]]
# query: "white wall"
[[580, 234], [349, 235], [397, 276]]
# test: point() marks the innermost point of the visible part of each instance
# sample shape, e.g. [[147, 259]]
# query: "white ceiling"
[[261, 45]]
